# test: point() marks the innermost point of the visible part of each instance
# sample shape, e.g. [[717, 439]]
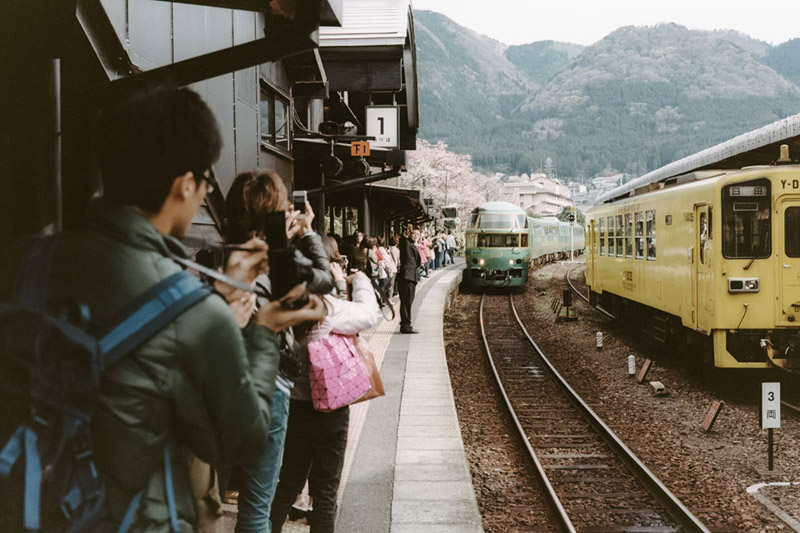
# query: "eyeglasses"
[[211, 181]]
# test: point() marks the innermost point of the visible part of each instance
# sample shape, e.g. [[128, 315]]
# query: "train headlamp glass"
[[510, 261], [743, 285], [481, 262]]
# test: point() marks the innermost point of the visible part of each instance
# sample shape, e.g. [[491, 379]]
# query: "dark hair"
[[250, 199], [147, 140], [331, 248]]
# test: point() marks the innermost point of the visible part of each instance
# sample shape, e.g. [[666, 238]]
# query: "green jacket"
[[202, 383]]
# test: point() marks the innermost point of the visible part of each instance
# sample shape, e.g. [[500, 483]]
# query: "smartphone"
[[276, 230], [299, 199]]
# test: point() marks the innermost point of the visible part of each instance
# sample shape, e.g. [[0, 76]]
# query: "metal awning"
[[284, 28], [393, 203], [381, 23]]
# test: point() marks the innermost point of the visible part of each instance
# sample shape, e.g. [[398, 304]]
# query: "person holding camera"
[[316, 441], [257, 204], [201, 383]]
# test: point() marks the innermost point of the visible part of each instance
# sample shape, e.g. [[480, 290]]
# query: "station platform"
[[405, 467]]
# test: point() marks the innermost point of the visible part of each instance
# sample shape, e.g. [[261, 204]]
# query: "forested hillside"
[[636, 100]]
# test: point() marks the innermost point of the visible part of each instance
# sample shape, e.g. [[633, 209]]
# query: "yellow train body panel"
[[720, 253]]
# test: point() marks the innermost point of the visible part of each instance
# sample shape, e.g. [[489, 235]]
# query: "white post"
[[571, 241]]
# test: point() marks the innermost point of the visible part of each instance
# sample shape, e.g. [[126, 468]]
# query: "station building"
[[293, 85]]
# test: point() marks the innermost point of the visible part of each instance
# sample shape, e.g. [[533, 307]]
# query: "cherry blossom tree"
[[448, 178]]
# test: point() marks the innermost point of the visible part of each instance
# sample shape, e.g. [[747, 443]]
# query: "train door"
[[788, 247], [702, 267]]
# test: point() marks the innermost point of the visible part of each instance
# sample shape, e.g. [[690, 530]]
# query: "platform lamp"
[[361, 167], [330, 164]]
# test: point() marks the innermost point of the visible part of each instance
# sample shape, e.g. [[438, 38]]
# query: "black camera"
[[287, 266]]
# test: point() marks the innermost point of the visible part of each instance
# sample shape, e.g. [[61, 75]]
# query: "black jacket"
[[409, 260]]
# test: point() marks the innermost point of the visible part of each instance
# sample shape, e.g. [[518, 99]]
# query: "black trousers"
[[407, 291], [315, 445]]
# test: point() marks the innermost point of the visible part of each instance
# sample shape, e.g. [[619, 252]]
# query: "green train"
[[502, 242]]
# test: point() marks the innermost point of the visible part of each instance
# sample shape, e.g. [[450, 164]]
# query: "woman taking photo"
[[316, 441]]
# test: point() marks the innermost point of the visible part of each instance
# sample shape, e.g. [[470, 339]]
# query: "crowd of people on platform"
[[220, 395]]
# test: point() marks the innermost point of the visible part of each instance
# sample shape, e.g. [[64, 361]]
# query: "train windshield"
[[497, 240], [497, 221], [746, 220]]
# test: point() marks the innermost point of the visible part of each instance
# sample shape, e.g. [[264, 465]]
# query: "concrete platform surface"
[[405, 467]]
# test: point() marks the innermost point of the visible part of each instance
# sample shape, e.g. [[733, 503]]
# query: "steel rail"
[[679, 512], [584, 297], [554, 500]]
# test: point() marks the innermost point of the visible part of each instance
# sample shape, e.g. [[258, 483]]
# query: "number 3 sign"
[[383, 123]]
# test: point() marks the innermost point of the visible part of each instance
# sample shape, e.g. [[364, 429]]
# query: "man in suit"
[[407, 276]]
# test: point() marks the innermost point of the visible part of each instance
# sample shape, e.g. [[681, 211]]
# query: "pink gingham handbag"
[[336, 373]]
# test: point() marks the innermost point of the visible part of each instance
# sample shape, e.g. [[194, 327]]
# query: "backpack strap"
[[33, 273], [150, 312], [24, 442]]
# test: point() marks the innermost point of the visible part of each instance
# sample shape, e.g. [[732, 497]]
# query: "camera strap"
[[210, 272]]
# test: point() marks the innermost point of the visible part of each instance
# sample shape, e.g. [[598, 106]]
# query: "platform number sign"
[[383, 123], [770, 405], [359, 149]]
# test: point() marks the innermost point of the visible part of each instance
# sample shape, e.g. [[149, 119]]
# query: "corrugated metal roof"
[[784, 130], [369, 23]]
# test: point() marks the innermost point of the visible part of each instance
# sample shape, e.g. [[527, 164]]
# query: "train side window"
[[791, 231], [628, 235], [639, 235], [650, 218], [611, 239], [620, 236], [524, 237], [703, 236], [602, 236]]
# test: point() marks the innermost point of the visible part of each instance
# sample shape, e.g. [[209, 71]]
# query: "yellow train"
[[709, 257]]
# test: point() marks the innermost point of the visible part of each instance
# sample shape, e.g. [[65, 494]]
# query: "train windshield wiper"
[[750, 262]]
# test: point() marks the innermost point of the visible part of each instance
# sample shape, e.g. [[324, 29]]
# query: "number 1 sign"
[[383, 123]]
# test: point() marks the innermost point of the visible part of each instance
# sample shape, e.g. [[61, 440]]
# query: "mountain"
[[785, 59], [467, 85], [542, 60], [636, 100]]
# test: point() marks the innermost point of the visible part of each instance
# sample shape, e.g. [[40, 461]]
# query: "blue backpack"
[[49, 376]]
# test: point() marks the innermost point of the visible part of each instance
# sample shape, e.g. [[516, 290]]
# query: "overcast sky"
[[588, 21]]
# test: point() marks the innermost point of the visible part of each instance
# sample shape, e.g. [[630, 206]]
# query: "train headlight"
[[481, 261], [743, 285], [510, 261], [474, 261], [519, 261]]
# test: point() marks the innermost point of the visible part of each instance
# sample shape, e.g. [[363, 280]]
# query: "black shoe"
[[409, 329]]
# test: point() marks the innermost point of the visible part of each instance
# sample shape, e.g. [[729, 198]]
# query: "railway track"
[[594, 482], [583, 296], [791, 406]]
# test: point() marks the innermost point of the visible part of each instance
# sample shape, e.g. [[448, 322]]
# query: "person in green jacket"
[[202, 384]]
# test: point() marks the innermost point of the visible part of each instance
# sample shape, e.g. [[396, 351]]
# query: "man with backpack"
[[199, 386]]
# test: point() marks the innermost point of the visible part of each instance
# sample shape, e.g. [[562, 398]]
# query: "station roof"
[[369, 23], [757, 147]]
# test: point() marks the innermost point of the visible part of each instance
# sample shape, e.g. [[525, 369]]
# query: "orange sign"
[[359, 148]]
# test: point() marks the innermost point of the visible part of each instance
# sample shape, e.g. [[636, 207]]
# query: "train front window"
[[500, 221], [791, 231], [746, 225], [498, 240]]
